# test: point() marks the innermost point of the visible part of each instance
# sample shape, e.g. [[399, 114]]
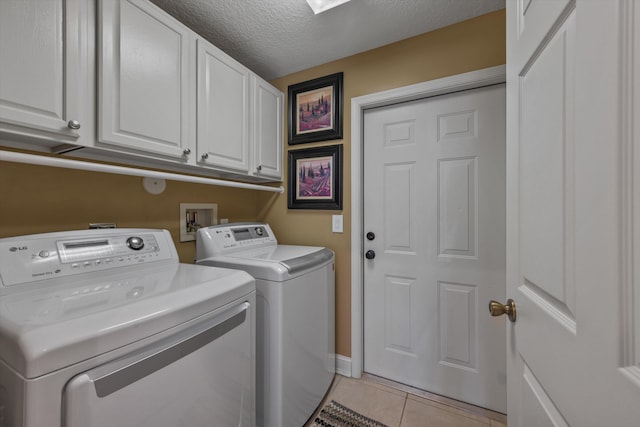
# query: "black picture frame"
[[315, 178], [315, 110]]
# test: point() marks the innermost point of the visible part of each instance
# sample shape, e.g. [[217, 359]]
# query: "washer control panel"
[[228, 238], [45, 256]]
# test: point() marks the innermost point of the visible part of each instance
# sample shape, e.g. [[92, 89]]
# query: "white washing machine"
[[295, 316], [106, 328]]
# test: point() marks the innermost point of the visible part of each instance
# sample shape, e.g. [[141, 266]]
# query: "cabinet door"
[[144, 74], [223, 110], [268, 109], [45, 52]]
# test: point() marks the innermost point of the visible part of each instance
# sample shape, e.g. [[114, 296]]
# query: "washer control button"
[[135, 243], [44, 254]]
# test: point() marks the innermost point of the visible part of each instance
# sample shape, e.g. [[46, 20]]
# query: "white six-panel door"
[[434, 186], [572, 204]]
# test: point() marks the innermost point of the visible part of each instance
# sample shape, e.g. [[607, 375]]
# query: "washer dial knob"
[[135, 243]]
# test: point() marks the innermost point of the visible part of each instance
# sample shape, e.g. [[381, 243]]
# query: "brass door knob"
[[497, 309]]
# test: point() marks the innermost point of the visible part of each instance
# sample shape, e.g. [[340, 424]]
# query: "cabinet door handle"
[[259, 168], [186, 151], [205, 156], [73, 124]]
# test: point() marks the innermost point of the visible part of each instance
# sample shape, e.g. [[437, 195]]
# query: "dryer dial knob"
[[135, 243]]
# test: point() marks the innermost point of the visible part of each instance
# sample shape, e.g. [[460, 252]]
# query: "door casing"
[[470, 80]]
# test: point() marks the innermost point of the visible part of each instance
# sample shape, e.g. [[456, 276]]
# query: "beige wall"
[[471, 45], [35, 199], [39, 199]]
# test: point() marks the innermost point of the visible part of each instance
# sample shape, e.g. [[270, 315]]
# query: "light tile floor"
[[397, 405]]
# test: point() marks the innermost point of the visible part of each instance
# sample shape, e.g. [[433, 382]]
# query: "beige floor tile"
[[450, 408], [466, 409], [393, 405], [374, 401], [422, 414], [382, 386]]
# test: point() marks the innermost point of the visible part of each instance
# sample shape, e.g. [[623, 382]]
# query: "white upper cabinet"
[[223, 110], [123, 81], [46, 71], [266, 135], [145, 67]]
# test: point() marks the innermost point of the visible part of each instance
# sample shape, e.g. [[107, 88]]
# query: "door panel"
[[45, 74], [545, 294], [267, 103], [223, 110], [144, 78], [397, 323], [540, 409], [34, 83], [434, 171], [546, 170], [457, 207], [458, 325], [572, 161], [399, 215]]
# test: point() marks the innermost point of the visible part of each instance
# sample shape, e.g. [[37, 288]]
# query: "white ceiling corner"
[[275, 38]]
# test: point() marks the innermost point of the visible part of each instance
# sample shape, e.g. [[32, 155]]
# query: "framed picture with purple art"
[[315, 178], [315, 110]]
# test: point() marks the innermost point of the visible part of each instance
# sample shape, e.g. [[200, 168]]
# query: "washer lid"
[[276, 263], [62, 322]]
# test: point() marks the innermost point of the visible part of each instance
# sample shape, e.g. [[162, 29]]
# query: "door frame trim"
[[446, 85]]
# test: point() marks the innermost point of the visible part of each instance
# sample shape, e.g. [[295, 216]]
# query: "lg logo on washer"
[[19, 248]]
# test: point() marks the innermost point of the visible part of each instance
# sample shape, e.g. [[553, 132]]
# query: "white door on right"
[[573, 199]]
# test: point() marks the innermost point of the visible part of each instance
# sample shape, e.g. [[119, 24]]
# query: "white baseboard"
[[343, 365]]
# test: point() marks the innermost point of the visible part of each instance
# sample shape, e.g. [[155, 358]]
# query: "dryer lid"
[[276, 263], [293, 258], [64, 321]]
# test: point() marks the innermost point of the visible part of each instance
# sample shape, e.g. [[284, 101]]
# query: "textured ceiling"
[[275, 38]]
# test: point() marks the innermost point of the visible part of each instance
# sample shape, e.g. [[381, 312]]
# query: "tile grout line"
[[404, 407]]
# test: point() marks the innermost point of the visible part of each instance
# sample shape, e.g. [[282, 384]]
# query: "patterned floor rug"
[[334, 414]]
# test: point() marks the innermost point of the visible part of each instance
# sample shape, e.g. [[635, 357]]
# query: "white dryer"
[[106, 328], [295, 316]]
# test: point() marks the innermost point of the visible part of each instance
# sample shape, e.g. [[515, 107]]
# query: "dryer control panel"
[[38, 257], [227, 238]]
